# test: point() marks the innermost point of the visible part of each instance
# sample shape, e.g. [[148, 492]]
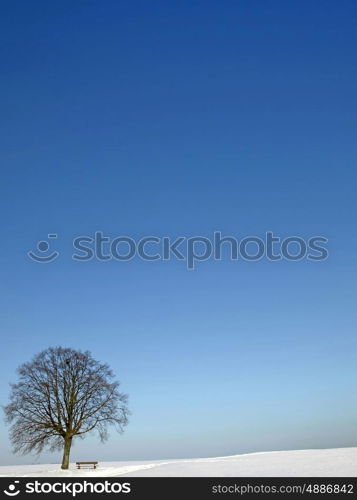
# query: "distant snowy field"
[[333, 462]]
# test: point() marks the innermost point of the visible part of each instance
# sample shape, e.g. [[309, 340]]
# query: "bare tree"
[[60, 394]]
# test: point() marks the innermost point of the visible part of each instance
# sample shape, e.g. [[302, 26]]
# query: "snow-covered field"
[[332, 462]]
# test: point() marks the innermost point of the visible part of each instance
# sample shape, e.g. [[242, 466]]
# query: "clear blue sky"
[[181, 118]]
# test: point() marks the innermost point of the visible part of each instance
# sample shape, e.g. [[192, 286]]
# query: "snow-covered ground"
[[332, 462]]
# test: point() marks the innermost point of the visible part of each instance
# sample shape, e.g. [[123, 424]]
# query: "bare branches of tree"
[[63, 393]]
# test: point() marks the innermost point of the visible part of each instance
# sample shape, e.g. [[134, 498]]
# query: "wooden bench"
[[86, 464]]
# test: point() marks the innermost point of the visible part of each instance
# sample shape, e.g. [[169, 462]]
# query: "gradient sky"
[[180, 118]]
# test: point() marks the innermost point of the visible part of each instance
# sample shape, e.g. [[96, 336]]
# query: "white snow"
[[308, 463]]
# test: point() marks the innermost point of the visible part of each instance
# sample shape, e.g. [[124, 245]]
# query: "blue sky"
[[163, 118]]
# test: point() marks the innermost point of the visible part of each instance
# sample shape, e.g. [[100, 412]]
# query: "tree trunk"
[[66, 452]]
